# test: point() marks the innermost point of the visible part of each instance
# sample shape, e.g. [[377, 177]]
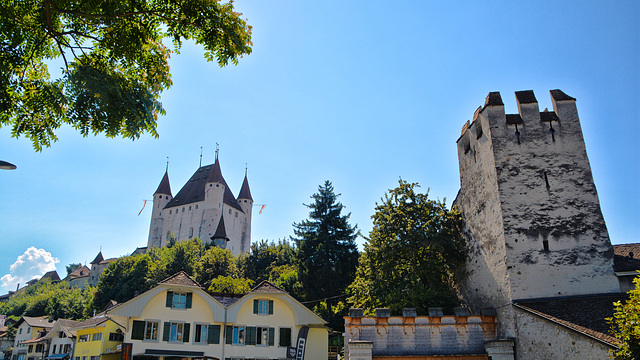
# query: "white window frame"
[[235, 339], [146, 327], [179, 332], [260, 332], [97, 335], [206, 333]]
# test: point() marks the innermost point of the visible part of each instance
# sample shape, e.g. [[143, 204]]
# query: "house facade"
[[99, 338], [60, 340], [178, 318], [28, 332]]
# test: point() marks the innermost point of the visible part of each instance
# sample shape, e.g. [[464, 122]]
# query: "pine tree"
[[326, 254]]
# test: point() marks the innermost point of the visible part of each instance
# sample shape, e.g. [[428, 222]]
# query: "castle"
[[205, 208]]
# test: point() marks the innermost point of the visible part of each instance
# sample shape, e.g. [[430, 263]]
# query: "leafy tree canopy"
[[410, 255], [115, 61], [265, 258], [625, 325], [46, 298]]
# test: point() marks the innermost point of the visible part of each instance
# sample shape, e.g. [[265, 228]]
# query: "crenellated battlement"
[[527, 125], [529, 203]]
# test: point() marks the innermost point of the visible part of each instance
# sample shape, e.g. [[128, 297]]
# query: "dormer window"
[[179, 300], [263, 307]]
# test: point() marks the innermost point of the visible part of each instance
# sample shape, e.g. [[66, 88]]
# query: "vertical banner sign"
[[126, 351], [297, 353]]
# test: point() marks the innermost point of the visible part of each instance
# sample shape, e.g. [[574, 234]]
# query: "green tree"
[[182, 255], [327, 254], [230, 285], [265, 258], [73, 267], [115, 62], [122, 280], [410, 255], [214, 263], [625, 325], [46, 298]]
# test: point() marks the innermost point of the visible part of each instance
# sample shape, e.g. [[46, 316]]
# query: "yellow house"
[[178, 319], [99, 338]]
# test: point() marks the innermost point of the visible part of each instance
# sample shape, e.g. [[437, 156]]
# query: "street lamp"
[[6, 165]]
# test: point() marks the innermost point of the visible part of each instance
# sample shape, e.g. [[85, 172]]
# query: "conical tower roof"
[[221, 231], [98, 258], [164, 187], [245, 193]]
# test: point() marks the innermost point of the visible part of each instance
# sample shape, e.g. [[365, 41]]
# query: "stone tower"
[[531, 210], [161, 198], [197, 209]]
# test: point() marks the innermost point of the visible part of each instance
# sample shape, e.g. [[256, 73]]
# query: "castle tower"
[[197, 209], [161, 198], [530, 207], [246, 203]]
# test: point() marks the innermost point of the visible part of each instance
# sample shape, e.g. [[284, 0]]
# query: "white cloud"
[[32, 264]]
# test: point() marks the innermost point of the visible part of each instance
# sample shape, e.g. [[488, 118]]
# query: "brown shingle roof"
[[180, 278], [626, 249], [584, 314], [194, 190], [41, 321], [164, 187], [267, 287], [526, 97], [53, 275], [80, 272]]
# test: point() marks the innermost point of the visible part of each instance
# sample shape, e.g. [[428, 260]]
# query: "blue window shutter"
[[189, 300], [137, 330], [169, 299], [213, 336], [270, 307]]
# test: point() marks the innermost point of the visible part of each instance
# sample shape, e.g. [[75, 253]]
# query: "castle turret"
[[220, 238], [246, 203], [161, 198]]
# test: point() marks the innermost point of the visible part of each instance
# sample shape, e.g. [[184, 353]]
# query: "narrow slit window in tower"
[[545, 245]]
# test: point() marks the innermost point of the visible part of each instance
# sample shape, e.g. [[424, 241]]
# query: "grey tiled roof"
[[221, 232], [548, 116], [558, 95], [493, 99], [584, 314], [98, 258], [514, 119]]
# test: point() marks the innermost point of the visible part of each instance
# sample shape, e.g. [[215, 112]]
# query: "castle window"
[[189, 207], [196, 207], [545, 245], [236, 214], [170, 212], [229, 211], [191, 232], [183, 209]]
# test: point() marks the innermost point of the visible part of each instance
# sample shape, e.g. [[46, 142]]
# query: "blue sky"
[[358, 92]]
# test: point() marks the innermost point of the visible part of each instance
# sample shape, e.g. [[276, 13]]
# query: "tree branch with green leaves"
[[115, 61]]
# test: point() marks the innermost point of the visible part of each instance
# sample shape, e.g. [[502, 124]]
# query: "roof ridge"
[[175, 280]]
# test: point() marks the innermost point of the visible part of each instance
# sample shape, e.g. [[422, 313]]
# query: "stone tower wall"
[[531, 209]]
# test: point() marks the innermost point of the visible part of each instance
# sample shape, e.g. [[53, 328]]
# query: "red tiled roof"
[[181, 278]]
